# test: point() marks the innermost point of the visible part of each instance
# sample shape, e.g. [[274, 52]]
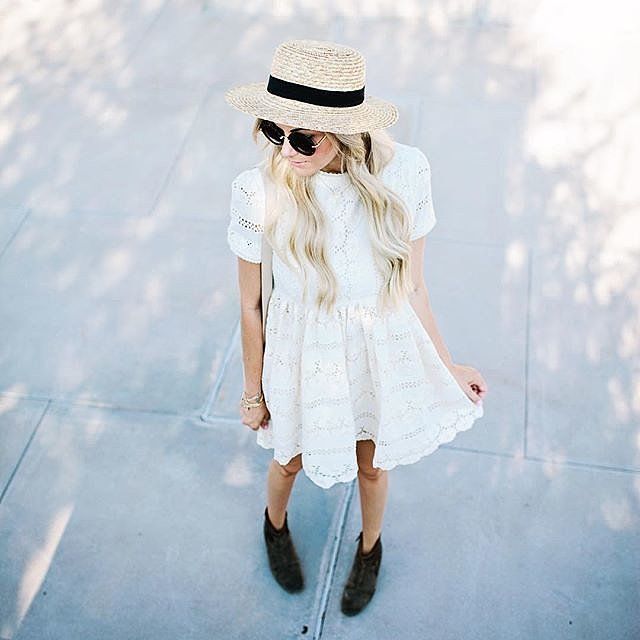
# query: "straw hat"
[[315, 84]]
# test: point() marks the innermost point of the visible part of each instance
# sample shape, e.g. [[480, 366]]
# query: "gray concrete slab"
[[481, 546], [205, 51], [498, 202], [72, 41], [190, 27], [442, 58], [132, 525], [95, 148], [582, 388], [44, 129], [104, 310], [200, 184], [479, 299]]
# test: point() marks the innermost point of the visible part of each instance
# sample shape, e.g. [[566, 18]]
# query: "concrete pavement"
[[131, 497]]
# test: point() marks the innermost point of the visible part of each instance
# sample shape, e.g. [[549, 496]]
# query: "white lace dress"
[[354, 374]]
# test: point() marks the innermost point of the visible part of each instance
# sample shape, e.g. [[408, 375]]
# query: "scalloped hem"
[[444, 437]]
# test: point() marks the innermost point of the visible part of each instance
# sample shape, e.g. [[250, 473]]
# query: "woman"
[[352, 376]]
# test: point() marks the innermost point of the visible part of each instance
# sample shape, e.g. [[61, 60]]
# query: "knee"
[[291, 468], [371, 473]]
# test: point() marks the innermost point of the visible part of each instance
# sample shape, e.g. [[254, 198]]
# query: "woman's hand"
[[256, 417], [470, 380]]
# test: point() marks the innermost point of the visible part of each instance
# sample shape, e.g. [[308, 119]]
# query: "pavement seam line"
[[24, 451], [205, 412], [527, 344], [330, 561], [197, 421], [14, 234], [143, 38], [179, 153]]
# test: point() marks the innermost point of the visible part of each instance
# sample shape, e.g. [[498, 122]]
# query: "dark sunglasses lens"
[[273, 132], [302, 143]]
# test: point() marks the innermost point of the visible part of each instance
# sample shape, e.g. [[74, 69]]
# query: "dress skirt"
[[330, 379]]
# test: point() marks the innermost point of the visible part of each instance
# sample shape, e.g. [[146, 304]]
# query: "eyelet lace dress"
[[330, 379]]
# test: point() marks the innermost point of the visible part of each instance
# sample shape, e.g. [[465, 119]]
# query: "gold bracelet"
[[253, 401]]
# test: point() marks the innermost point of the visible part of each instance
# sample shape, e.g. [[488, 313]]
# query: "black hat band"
[[321, 97]]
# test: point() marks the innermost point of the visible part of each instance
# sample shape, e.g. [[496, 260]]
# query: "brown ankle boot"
[[283, 559], [361, 584]]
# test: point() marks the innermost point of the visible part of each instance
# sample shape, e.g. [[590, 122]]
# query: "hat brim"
[[254, 99]]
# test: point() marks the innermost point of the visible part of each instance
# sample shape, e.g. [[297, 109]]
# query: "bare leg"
[[280, 479], [373, 483]]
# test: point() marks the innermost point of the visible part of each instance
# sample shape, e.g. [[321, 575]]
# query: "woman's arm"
[[420, 300], [249, 280]]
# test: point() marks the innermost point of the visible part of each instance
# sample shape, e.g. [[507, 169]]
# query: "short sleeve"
[[246, 215], [424, 218]]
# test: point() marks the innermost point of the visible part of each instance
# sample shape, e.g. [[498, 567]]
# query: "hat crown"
[[319, 64]]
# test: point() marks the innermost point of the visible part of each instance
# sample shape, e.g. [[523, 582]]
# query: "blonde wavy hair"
[[363, 156]]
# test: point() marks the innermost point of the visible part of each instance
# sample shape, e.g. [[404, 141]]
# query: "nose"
[[287, 150]]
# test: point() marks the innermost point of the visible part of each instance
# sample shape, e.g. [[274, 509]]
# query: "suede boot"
[[361, 583], [283, 559]]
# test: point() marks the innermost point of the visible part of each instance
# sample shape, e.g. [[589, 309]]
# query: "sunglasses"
[[302, 142]]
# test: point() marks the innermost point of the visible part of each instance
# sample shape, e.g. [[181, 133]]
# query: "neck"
[[333, 166]]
